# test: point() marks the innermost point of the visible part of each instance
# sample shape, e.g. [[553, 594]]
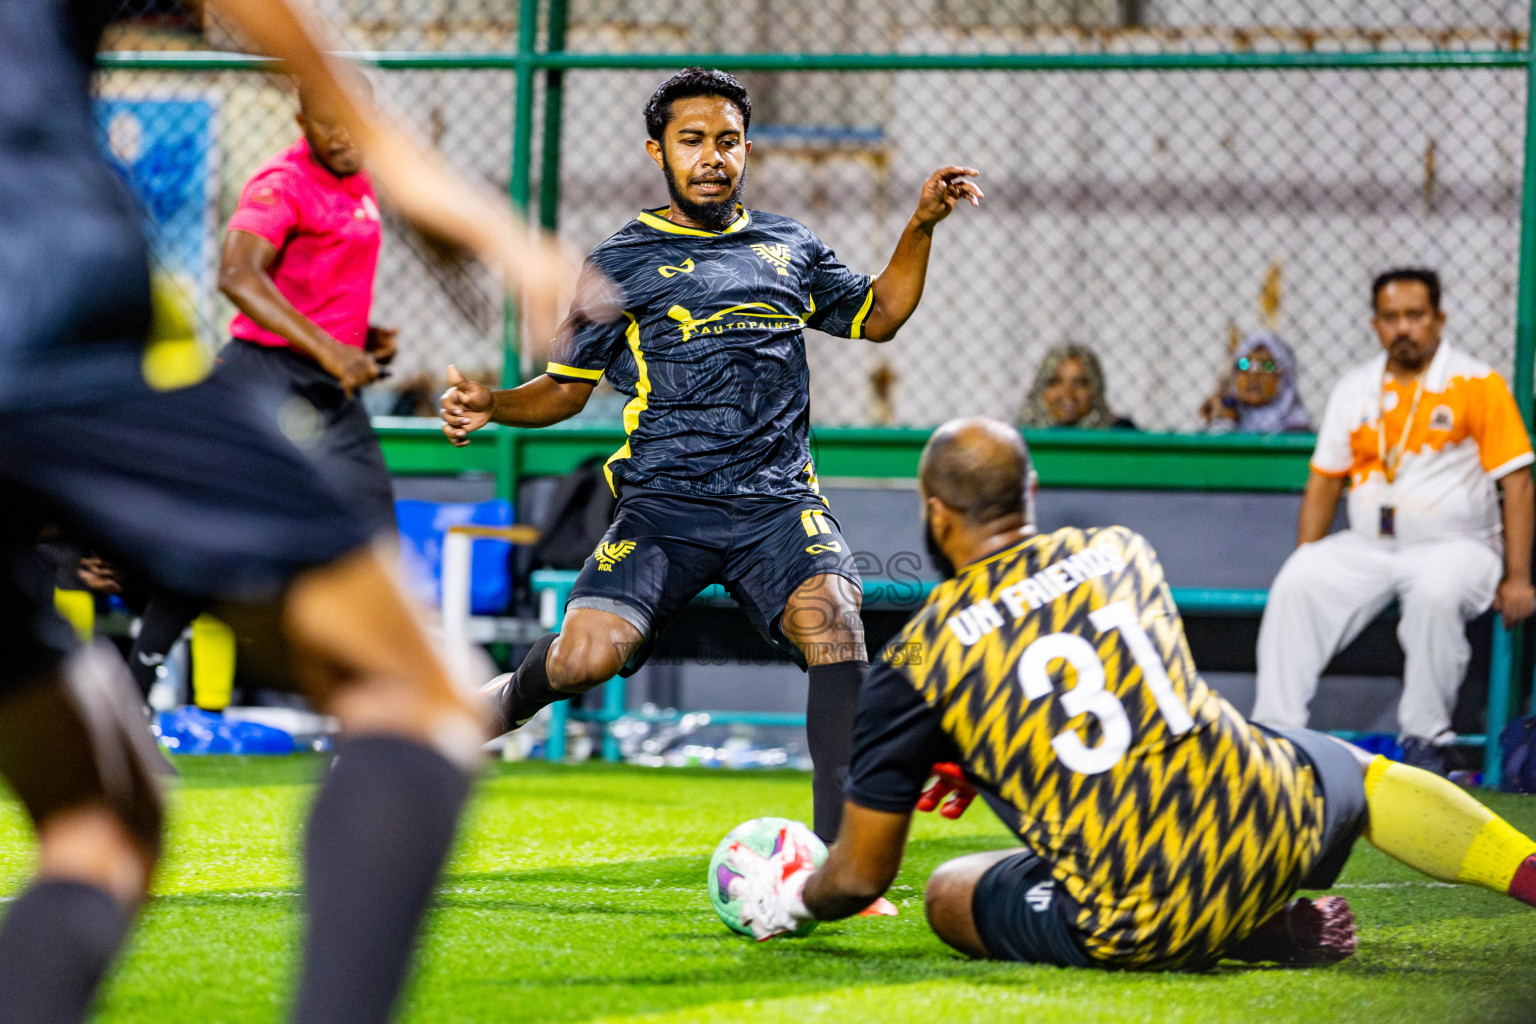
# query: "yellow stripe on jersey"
[[561, 370], [815, 523], [1060, 669], [635, 406], [857, 329], [654, 219]]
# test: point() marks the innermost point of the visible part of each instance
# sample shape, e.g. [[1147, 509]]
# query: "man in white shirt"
[[1425, 437]]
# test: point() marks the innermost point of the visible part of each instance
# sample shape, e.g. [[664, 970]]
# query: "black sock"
[[529, 691], [379, 832], [165, 618], [829, 713], [55, 947]]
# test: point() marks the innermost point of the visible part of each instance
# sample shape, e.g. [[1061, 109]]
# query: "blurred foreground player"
[[715, 481], [194, 488], [1159, 829]]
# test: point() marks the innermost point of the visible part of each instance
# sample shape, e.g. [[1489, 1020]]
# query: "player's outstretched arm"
[[861, 865], [786, 890], [899, 287], [427, 193], [468, 405]]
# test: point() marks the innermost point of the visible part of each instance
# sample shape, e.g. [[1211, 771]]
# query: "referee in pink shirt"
[[299, 261]]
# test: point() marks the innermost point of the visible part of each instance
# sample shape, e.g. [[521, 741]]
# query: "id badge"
[[1388, 521]]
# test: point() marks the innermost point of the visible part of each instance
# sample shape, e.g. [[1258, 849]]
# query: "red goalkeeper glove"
[[949, 781]]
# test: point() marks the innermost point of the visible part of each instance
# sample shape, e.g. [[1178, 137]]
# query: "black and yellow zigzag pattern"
[[1189, 840]]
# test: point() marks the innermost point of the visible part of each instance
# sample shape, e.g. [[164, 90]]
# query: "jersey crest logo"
[[1442, 418], [686, 267], [611, 553], [1040, 895], [747, 315], [777, 256]]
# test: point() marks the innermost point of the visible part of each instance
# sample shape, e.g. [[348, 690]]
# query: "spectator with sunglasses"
[[1259, 396]]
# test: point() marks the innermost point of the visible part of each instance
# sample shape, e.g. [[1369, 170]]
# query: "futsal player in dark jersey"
[[190, 486], [715, 481], [1159, 829]]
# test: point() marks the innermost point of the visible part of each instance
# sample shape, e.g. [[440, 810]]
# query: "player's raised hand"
[[948, 781], [465, 407], [944, 188]]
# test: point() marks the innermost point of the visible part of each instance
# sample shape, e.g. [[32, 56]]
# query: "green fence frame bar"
[[1116, 460], [1308, 60]]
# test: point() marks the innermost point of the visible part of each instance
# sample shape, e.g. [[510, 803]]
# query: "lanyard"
[[1390, 458]]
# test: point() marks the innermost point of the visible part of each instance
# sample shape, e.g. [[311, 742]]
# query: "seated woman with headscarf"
[[1069, 392], [1260, 397]]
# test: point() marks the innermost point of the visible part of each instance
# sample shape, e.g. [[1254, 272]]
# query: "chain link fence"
[[1153, 216]]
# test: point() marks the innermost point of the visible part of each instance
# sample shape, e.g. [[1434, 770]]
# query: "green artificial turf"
[[578, 894]]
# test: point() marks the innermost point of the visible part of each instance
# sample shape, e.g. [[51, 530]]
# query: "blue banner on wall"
[[164, 149]]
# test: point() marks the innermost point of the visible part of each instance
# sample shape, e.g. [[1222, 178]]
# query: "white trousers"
[[1330, 590]]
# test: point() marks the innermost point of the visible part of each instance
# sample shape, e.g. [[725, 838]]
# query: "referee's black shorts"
[[317, 415], [197, 490]]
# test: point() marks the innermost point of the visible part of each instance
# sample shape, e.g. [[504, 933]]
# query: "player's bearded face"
[[715, 213], [941, 561]]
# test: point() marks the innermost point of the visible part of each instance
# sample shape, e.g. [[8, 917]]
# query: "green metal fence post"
[[517, 192], [1499, 696], [554, 117]]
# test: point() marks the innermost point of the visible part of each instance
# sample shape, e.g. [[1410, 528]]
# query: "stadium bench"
[[553, 587]]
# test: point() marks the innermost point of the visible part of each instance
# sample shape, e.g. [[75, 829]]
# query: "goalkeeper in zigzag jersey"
[[1158, 828], [715, 480]]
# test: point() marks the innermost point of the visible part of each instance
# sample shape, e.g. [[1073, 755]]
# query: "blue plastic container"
[[191, 730], [422, 526]]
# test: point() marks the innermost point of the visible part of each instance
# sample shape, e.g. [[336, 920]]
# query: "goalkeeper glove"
[[949, 781], [772, 903]]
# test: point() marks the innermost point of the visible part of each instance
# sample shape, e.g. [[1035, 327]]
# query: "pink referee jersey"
[[327, 232]]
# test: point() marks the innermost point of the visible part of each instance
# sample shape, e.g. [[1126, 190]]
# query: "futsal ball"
[[764, 837]]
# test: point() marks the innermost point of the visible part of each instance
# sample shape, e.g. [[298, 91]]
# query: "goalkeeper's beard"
[[716, 215], [941, 561]]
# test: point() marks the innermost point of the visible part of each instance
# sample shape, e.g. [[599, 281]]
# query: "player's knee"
[[579, 661], [95, 844], [823, 621], [947, 904]]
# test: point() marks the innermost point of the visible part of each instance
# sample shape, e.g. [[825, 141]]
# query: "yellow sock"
[[1434, 826]]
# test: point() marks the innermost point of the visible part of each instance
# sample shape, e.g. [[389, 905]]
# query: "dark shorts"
[[1344, 809], [1022, 914], [194, 490], [662, 549], [331, 429]]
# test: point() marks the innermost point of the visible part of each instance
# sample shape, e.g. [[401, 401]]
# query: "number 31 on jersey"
[[1089, 695]]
